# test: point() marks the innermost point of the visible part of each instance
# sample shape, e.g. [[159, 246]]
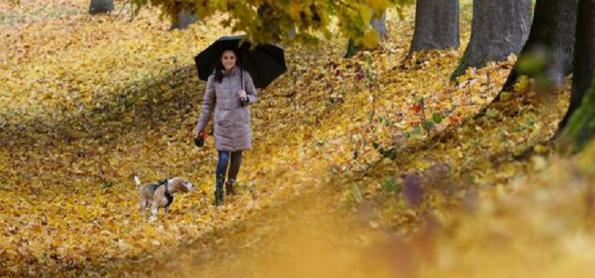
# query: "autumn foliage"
[[403, 176]]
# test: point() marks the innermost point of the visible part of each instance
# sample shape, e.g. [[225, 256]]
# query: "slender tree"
[[183, 19], [551, 40], [436, 25], [579, 121], [101, 6], [379, 24], [498, 28]]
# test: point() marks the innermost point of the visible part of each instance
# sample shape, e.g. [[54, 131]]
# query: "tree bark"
[[581, 125], [379, 24], [580, 116], [498, 28], [101, 6], [552, 38], [183, 20], [436, 25]]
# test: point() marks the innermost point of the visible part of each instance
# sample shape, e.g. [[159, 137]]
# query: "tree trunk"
[[379, 24], [101, 6], [551, 38], [436, 25], [498, 28], [580, 117], [183, 20], [581, 125]]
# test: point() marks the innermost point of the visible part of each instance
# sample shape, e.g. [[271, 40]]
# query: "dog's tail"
[[137, 181]]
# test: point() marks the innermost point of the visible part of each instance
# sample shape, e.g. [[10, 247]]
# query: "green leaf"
[[492, 113], [391, 185], [504, 95], [355, 193], [428, 125], [384, 121], [437, 117]]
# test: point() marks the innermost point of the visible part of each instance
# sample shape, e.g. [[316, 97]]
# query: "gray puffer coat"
[[231, 116]]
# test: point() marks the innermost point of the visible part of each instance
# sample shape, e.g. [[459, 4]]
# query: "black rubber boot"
[[229, 187], [219, 192]]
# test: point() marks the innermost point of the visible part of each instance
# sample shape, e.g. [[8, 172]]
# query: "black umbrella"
[[264, 62]]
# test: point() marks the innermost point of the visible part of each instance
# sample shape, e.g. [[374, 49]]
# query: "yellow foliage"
[[88, 102]]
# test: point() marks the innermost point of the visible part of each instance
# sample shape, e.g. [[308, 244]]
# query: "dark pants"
[[224, 164]]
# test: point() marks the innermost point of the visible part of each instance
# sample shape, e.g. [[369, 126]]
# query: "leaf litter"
[[409, 179]]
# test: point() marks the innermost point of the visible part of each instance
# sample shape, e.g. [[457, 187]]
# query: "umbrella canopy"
[[264, 62]]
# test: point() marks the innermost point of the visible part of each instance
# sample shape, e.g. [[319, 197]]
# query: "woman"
[[230, 90]]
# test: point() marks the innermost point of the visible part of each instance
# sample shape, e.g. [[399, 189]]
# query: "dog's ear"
[[137, 181], [188, 185]]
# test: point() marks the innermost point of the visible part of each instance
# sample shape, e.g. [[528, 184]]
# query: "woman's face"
[[228, 59]]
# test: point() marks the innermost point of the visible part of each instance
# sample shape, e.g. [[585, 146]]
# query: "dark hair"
[[219, 67]]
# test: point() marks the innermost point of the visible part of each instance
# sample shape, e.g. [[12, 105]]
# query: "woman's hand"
[[199, 140], [242, 94], [200, 134]]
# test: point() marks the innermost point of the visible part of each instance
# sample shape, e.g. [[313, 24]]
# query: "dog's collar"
[[164, 182], [169, 196]]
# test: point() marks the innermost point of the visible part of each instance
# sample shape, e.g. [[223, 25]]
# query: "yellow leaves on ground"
[[88, 102], [540, 225], [50, 68]]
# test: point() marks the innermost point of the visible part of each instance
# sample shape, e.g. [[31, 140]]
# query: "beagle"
[[160, 194]]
